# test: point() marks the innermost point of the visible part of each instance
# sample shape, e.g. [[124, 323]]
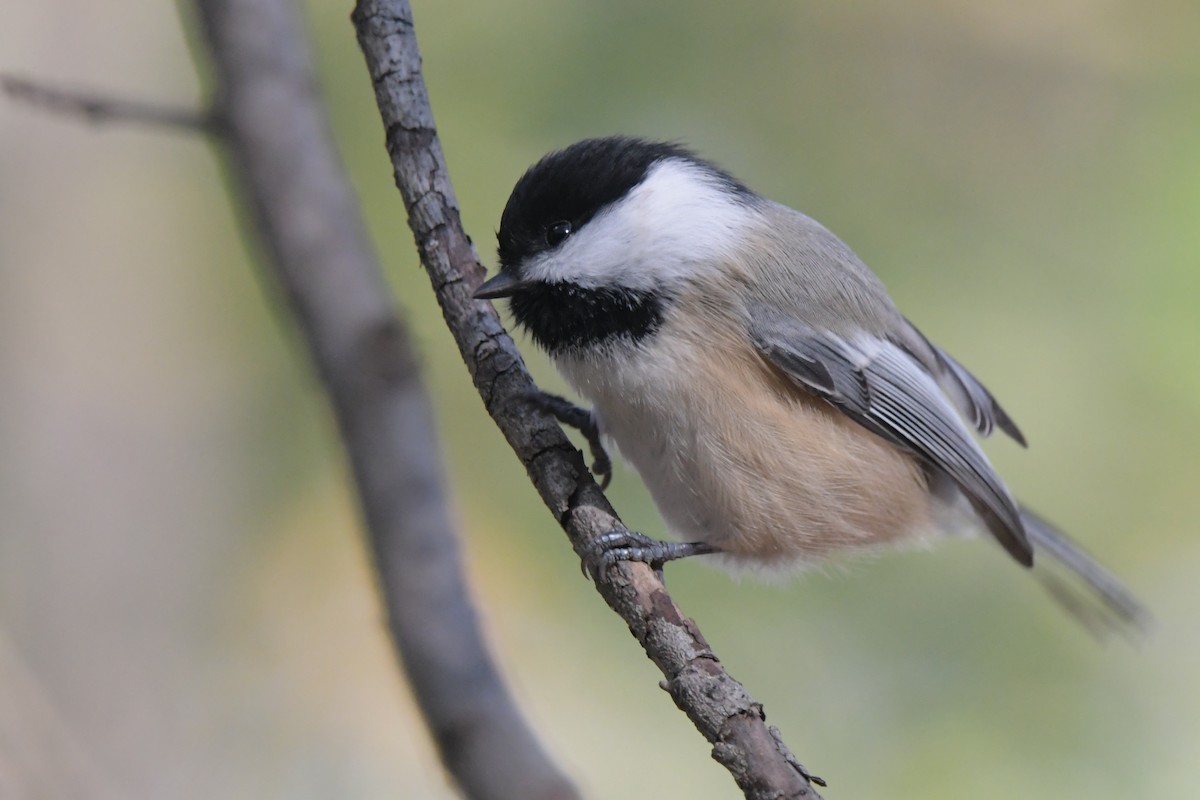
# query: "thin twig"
[[101, 109], [719, 706]]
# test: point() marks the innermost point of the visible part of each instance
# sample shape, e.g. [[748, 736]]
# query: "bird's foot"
[[582, 420], [622, 545]]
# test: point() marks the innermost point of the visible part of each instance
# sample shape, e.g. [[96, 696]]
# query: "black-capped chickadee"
[[752, 369]]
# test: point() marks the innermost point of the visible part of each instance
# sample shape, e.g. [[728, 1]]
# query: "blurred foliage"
[[180, 573]]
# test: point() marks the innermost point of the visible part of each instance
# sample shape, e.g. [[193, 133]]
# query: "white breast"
[[640, 408]]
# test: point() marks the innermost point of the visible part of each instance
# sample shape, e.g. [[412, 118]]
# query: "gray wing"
[[880, 385], [969, 395]]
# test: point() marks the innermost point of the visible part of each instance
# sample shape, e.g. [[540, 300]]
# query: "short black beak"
[[503, 285]]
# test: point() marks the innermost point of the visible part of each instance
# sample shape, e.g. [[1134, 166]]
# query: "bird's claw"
[[619, 544], [582, 420], [602, 469]]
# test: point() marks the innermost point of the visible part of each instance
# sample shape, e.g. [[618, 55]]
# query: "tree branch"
[[284, 164], [719, 706], [100, 109]]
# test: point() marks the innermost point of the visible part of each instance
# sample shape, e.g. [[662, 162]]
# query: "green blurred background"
[[185, 605]]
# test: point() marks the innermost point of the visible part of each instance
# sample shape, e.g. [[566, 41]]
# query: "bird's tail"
[[1089, 592]]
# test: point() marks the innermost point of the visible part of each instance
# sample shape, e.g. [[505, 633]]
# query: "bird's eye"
[[557, 232]]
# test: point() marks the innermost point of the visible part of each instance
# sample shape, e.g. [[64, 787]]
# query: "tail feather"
[[1102, 604]]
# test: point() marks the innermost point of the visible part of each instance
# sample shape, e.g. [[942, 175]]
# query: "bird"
[[756, 375]]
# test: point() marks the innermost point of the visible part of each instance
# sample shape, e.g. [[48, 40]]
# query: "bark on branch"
[[720, 707]]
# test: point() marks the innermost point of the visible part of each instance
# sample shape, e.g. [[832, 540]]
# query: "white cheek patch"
[[677, 223]]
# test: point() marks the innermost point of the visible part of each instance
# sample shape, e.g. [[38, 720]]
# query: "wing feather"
[[970, 396], [883, 387]]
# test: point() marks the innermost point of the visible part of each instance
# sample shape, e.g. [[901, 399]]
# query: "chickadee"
[[752, 369]]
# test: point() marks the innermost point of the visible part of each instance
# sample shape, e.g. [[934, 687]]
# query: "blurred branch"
[[100, 109], [719, 706], [268, 115], [284, 164]]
